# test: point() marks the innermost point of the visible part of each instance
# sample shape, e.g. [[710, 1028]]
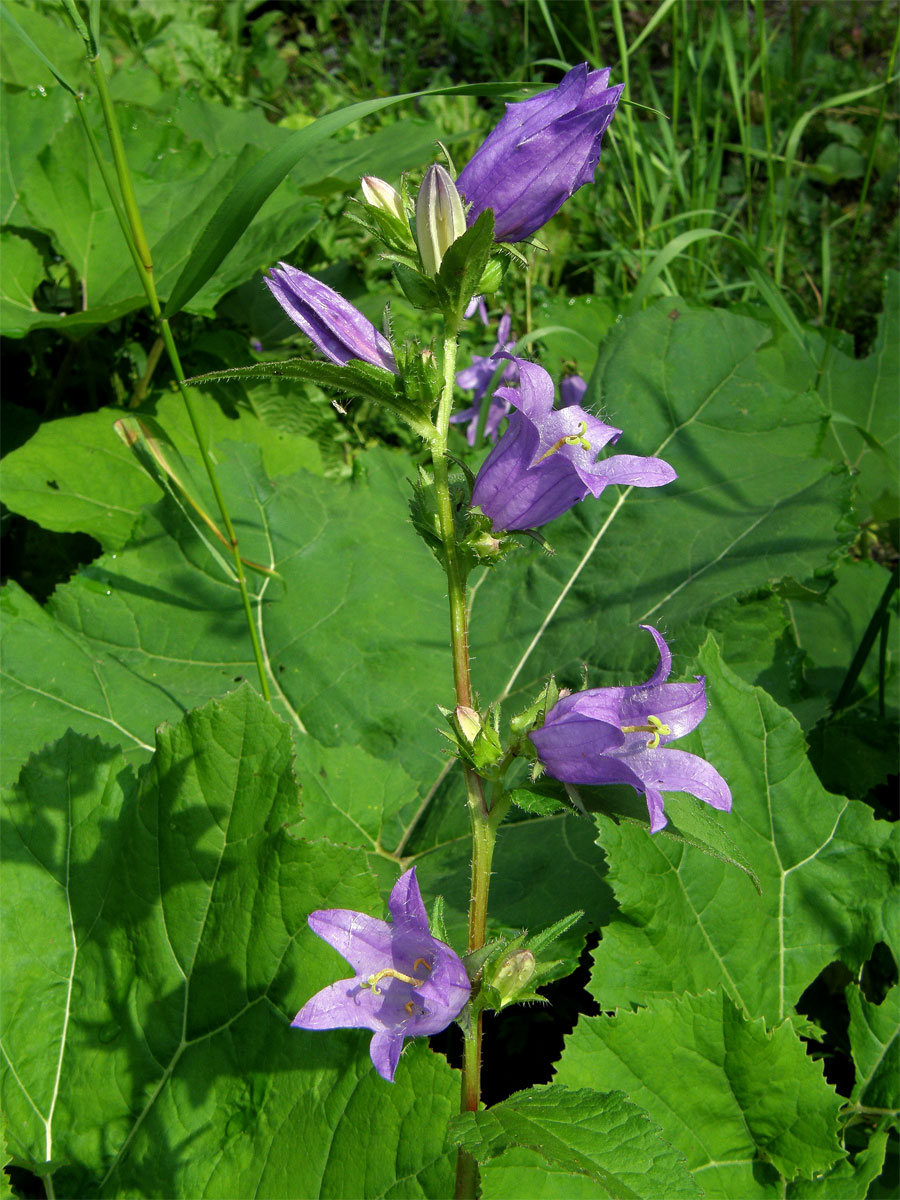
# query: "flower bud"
[[381, 195], [469, 722], [512, 977], [440, 218]]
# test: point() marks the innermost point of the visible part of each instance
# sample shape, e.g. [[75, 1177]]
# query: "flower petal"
[[341, 1005], [338, 329], [364, 941], [664, 666], [406, 904], [677, 771], [384, 1050]]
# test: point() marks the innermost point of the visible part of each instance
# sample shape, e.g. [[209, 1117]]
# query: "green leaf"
[[156, 950], [687, 922], [846, 1180], [23, 270], [863, 393], [742, 1103], [753, 503], [354, 379], [177, 183], [581, 1132], [875, 1042], [463, 265], [76, 475]]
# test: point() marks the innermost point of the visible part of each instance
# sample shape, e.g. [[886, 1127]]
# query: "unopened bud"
[[381, 195], [469, 722], [513, 976], [440, 218]]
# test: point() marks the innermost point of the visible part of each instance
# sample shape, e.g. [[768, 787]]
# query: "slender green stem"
[[484, 822], [144, 263]]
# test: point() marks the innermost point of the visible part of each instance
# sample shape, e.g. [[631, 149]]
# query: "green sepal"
[[463, 265], [475, 959], [552, 932], [388, 229], [533, 716], [419, 290], [354, 379], [437, 924], [492, 275]]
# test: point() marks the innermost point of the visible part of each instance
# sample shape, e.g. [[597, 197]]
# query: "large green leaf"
[[753, 503], [601, 1137], [744, 1104], [688, 922], [53, 478], [156, 949]]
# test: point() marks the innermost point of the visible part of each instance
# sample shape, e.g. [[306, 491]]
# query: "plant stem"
[[144, 262], [483, 824]]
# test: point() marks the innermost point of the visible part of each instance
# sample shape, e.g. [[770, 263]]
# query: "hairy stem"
[[483, 828]]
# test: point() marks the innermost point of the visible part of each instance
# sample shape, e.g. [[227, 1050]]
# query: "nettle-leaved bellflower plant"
[[545, 462], [337, 329], [405, 983], [542, 151], [622, 734]]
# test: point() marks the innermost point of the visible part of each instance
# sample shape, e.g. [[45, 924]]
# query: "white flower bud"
[[381, 195], [440, 218]]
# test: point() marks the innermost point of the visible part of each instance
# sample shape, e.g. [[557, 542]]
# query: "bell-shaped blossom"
[[622, 735], [338, 329], [542, 151], [477, 379], [405, 982], [545, 462]]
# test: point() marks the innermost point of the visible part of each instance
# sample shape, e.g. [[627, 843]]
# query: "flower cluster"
[[622, 735], [405, 982]]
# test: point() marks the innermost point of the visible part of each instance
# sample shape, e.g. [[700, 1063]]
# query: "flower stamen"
[[654, 725], [573, 439]]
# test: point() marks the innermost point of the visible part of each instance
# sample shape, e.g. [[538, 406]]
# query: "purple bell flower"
[[621, 735], [542, 151], [477, 379], [338, 329], [545, 461], [405, 983]]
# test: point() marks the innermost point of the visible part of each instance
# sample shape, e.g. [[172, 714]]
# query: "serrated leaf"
[[846, 1180], [603, 1137], [158, 943], [741, 1102]]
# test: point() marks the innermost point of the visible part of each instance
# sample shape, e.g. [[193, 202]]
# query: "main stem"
[[144, 263], [483, 828]]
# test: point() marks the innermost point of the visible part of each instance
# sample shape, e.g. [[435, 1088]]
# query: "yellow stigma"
[[424, 964], [654, 725], [574, 439]]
